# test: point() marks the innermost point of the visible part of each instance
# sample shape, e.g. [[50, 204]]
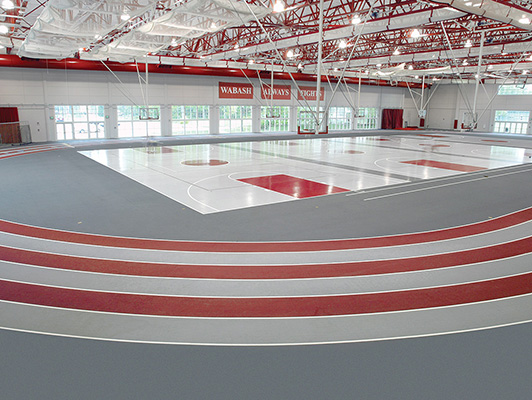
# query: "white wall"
[[36, 91], [450, 103]]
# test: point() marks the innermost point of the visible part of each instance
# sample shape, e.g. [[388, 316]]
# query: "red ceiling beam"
[[87, 65]]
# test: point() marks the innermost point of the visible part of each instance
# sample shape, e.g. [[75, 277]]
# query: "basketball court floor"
[[394, 265]]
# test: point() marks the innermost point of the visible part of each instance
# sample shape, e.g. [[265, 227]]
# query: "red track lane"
[[435, 261], [242, 247], [265, 307], [2, 157]]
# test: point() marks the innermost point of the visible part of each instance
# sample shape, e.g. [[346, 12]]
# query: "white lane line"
[[443, 185], [260, 288], [428, 181], [233, 336], [283, 344], [267, 318], [99, 235]]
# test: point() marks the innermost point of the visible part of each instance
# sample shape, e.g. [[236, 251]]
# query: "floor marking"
[[47, 234], [293, 186], [283, 344], [444, 165], [440, 186], [438, 179], [277, 271], [413, 299], [329, 164]]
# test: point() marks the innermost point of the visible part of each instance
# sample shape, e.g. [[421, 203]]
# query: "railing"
[[15, 132]]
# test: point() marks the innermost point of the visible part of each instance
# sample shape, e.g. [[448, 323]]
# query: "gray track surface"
[[64, 190]]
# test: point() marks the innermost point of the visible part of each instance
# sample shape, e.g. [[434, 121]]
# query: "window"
[[131, 125], [79, 122], [340, 118], [511, 121], [367, 118], [235, 119], [515, 89], [306, 118], [274, 119], [190, 120]]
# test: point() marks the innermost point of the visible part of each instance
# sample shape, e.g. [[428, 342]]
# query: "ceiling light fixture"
[[236, 46], [379, 65], [251, 62], [3, 29], [468, 43], [410, 67], [8, 5], [415, 34], [342, 44], [278, 6], [396, 52], [125, 16], [290, 53], [525, 72], [465, 62], [524, 20], [356, 19]]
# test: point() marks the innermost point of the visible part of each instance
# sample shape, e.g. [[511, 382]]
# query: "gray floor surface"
[[65, 190]]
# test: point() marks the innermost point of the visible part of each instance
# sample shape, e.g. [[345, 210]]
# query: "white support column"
[[255, 118], [318, 74], [477, 80], [214, 119], [166, 120]]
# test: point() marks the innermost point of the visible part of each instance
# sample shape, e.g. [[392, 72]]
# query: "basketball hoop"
[[307, 123], [148, 113]]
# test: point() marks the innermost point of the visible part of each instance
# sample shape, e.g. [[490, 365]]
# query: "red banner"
[[309, 93], [231, 90], [280, 92]]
